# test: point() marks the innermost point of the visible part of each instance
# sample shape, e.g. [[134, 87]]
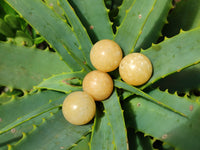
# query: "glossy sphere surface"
[[135, 69], [98, 84], [106, 55], [79, 108]]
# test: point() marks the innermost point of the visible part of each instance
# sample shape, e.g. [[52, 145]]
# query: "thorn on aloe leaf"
[[166, 22], [109, 124], [107, 10], [111, 23], [182, 31], [142, 50], [9, 147], [43, 120], [167, 91], [24, 135], [34, 126], [145, 135], [74, 145], [83, 137], [61, 58], [33, 46], [166, 38], [51, 114], [176, 93]]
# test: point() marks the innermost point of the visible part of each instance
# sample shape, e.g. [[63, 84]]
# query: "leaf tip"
[[9, 147]]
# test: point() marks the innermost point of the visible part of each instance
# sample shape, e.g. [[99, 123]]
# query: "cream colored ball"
[[135, 69], [98, 84], [79, 108], [106, 55]]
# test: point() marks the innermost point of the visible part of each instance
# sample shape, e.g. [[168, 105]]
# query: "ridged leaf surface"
[[154, 24], [83, 144], [98, 27], [174, 54], [115, 116], [65, 82], [185, 15], [133, 23], [163, 124], [102, 128], [54, 29], [54, 133], [79, 30], [126, 4], [182, 81], [22, 106], [53, 4], [137, 91], [23, 67], [137, 141]]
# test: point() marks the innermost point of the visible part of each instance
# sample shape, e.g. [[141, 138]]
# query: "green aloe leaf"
[[98, 27], [174, 54], [102, 137], [133, 24], [116, 119], [163, 124], [53, 4], [83, 144], [137, 91], [15, 134], [24, 105], [25, 67], [79, 30], [28, 107], [182, 81], [154, 24], [126, 4], [54, 29], [186, 16], [138, 141], [65, 82], [54, 133]]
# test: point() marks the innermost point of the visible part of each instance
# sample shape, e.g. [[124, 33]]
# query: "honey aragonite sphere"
[[135, 69], [106, 55], [79, 108], [98, 84]]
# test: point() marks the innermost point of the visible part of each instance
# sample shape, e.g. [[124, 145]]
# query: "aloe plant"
[[161, 114]]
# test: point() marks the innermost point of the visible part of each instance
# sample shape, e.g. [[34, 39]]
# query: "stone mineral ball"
[[135, 69], [98, 84], [79, 108], [106, 55]]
